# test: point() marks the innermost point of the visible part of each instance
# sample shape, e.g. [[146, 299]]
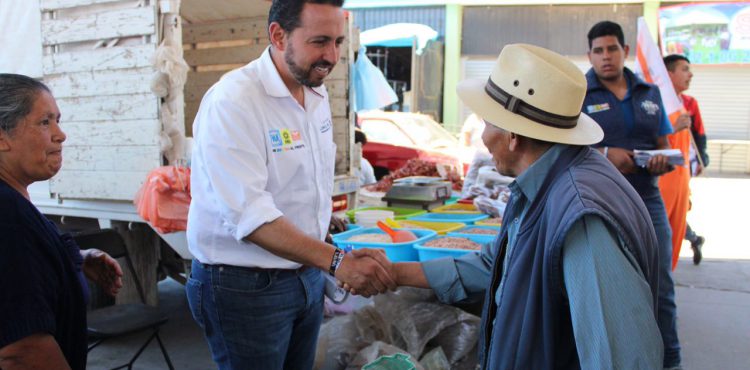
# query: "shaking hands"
[[366, 272]]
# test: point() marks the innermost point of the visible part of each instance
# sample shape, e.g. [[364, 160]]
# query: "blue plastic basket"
[[396, 252], [483, 238], [430, 253], [468, 219]]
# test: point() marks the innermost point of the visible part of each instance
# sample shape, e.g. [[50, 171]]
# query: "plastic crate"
[[486, 238], [430, 253], [399, 213], [439, 227], [457, 208], [396, 252], [468, 219]]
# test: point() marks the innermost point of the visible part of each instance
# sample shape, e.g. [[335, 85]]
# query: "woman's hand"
[[103, 270]]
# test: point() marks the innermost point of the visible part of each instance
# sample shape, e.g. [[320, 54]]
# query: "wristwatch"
[[338, 256]]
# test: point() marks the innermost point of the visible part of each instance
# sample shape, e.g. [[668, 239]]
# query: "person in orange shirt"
[[674, 186]]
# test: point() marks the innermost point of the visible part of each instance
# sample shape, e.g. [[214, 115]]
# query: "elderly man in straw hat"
[[571, 280]]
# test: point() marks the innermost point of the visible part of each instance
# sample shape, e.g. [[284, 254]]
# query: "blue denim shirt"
[[609, 297]]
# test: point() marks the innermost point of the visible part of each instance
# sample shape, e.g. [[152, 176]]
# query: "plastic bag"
[[164, 198], [371, 88], [489, 206], [435, 360], [409, 319]]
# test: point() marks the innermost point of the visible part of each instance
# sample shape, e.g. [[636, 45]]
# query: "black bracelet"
[[338, 256]]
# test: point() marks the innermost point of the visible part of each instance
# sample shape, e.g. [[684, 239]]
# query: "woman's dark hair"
[[606, 28], [17, 96], [287, 12]]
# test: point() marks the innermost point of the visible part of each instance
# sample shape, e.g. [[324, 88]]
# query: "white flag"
[[650, 67]]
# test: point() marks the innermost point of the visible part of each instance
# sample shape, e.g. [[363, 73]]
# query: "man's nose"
[[332, 53]]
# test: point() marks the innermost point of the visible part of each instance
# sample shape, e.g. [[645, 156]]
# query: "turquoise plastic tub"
[[431, 253], [396, 252], [468, 219], [484, 238]]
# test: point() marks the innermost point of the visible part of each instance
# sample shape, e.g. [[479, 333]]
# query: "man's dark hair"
[[17, 96], [287, 12], [606, 28], [671, 60], [360, 137]]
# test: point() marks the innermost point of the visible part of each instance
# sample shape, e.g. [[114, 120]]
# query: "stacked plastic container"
[[456, 220]]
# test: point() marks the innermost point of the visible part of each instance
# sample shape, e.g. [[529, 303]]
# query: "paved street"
[[713, 299]]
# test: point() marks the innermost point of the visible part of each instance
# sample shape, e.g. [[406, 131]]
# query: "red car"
[[395, 137]]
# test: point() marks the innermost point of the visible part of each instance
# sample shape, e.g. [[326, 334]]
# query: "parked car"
[[395, 137]]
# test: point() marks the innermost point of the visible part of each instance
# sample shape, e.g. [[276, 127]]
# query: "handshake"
[[367, 272]]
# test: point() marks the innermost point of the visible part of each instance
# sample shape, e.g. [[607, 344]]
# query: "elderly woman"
[[43, 290]]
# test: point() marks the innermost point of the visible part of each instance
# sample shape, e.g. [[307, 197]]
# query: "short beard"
[[301, 75]]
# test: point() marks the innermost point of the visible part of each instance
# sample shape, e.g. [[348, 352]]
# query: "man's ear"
[[277, 36], [627, 51], [514, 142]]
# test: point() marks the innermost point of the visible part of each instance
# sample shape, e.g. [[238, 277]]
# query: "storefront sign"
[[707, 33]]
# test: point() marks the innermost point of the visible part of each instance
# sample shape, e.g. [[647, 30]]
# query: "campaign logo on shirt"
[[650, 107], [285, 140], [595, 108], [327, 125], [275, 136]]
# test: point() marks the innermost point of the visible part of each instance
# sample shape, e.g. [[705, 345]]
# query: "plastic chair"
[[121, 320]]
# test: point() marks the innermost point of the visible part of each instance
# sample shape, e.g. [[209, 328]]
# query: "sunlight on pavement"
[[721, 207]]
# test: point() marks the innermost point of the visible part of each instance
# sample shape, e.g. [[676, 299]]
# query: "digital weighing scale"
[[418, 192]]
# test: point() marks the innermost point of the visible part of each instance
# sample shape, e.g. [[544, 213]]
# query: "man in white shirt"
[[262, 180]]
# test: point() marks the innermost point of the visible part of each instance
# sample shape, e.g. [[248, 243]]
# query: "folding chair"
[[120, 320]]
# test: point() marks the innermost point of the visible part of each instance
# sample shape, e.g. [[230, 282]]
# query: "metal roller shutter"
[[723, 92]]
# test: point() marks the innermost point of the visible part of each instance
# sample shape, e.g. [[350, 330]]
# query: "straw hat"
[[535, 93]]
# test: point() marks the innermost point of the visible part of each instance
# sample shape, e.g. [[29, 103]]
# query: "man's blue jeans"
[[667, 309], [258, 318]]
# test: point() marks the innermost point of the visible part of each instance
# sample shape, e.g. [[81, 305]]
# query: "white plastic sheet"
[[21, 37]]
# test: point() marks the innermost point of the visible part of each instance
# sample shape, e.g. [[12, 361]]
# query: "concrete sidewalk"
[[713, 310]]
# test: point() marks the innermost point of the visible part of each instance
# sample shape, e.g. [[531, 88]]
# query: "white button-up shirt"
[[258, 155]]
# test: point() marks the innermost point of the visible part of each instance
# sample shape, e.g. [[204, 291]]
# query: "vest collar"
[[530, 181]]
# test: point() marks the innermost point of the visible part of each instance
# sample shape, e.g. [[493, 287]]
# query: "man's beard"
[[300, 74]]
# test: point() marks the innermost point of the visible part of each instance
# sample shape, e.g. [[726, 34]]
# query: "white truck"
[[128, 76]]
